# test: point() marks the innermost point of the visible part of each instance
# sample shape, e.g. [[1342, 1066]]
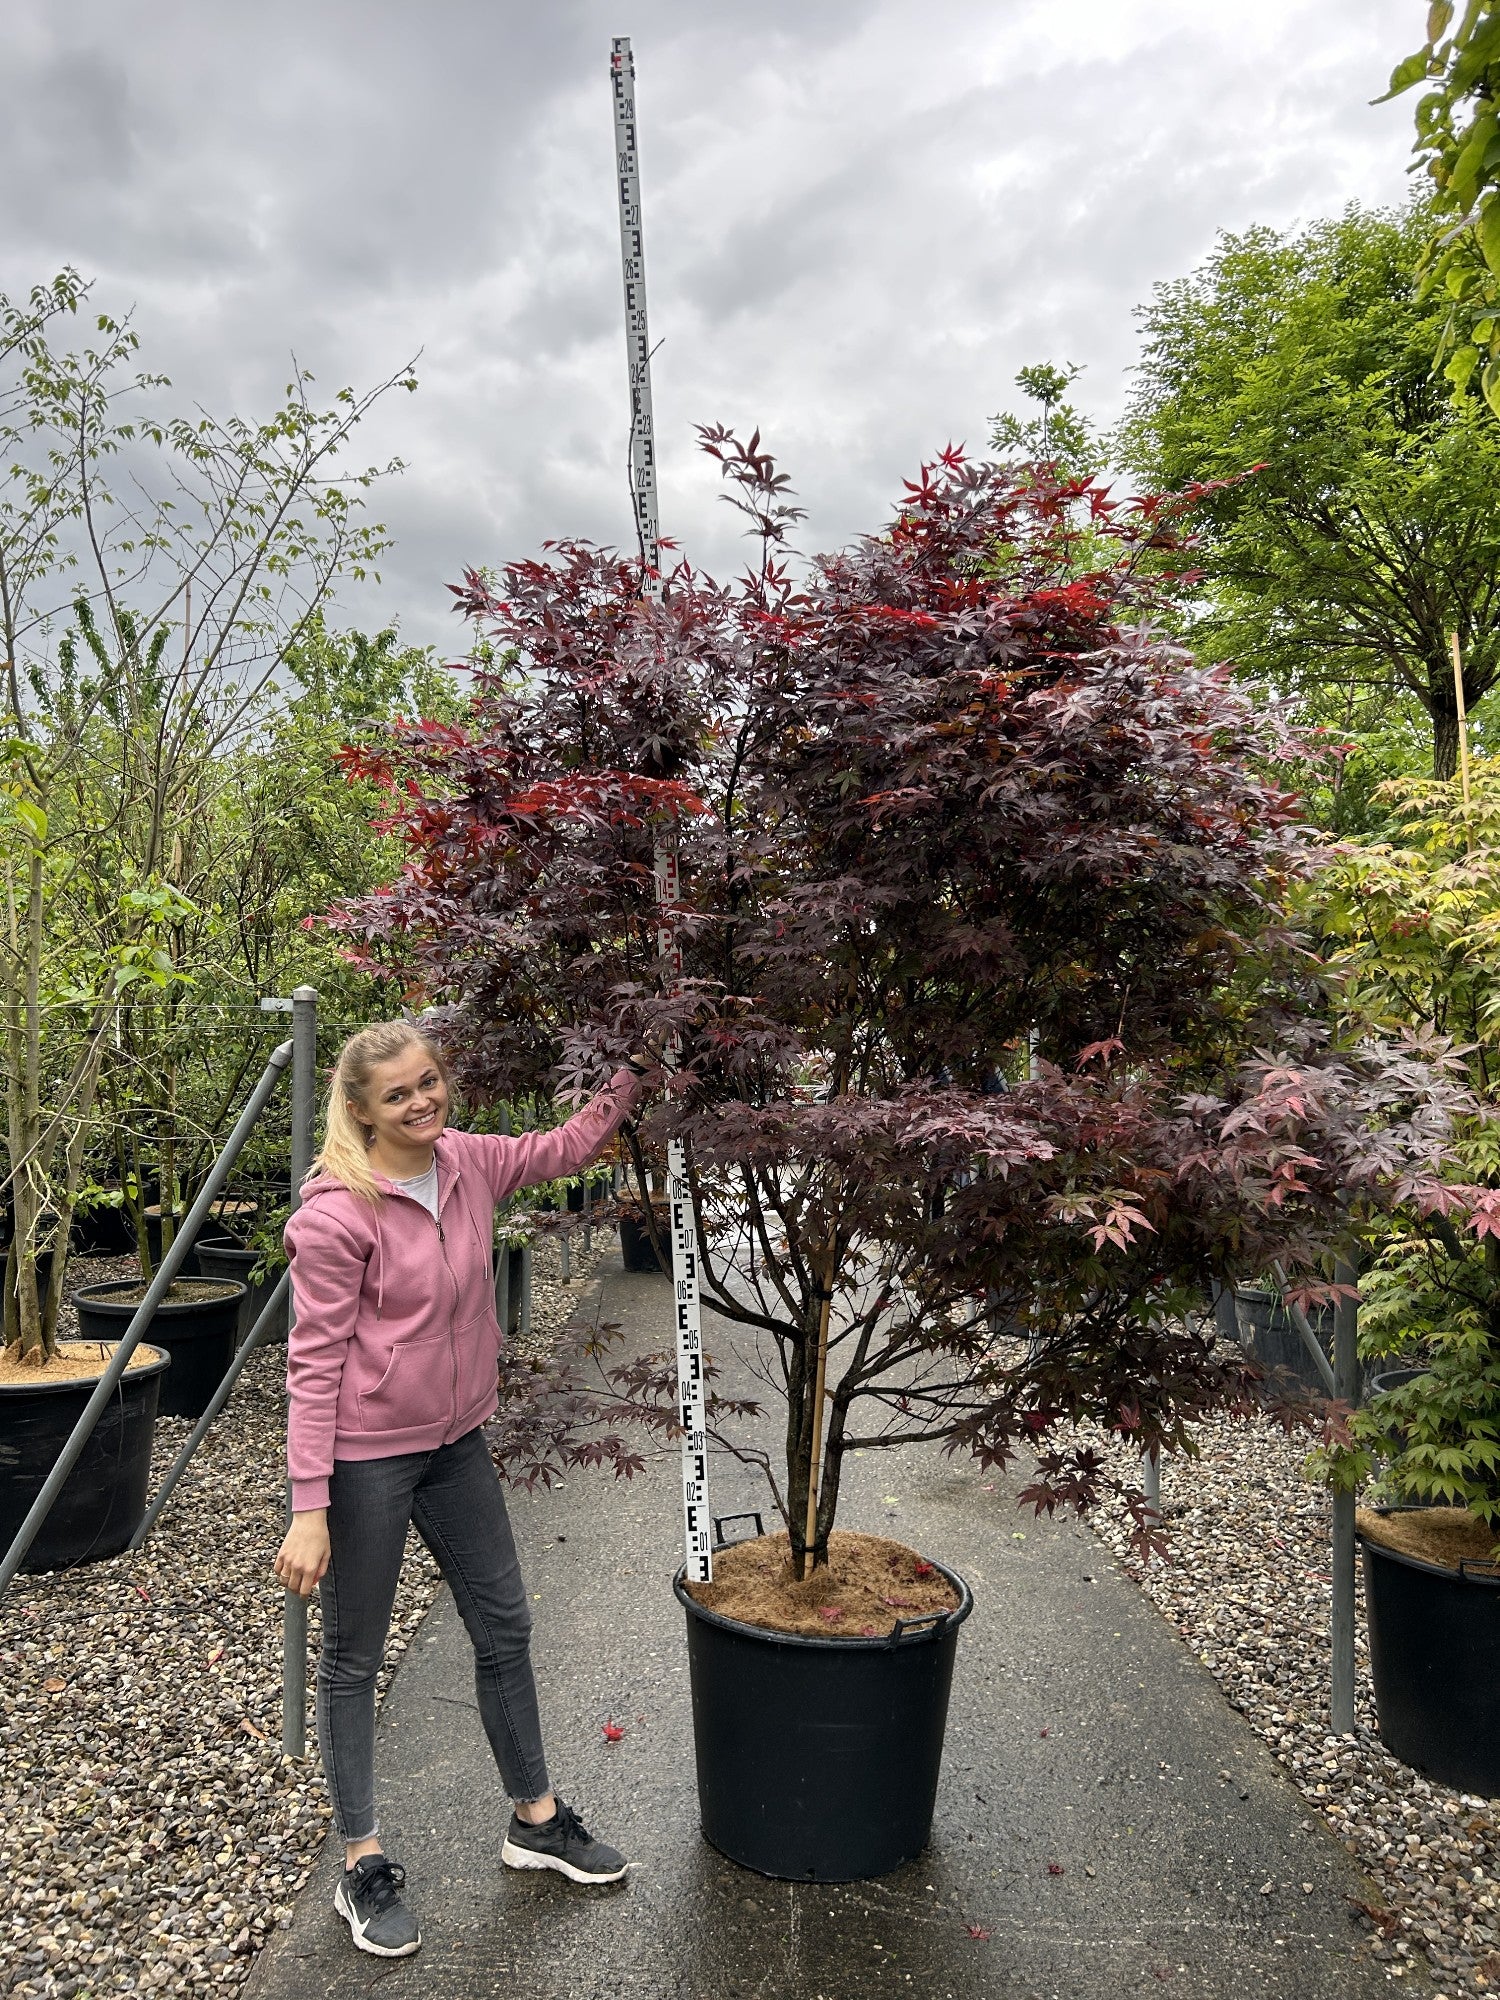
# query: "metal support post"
[[143, 1315], [1347, 1386], [588, 1218], [304, 1117], [1310, 1340], [1151, 1480], [523, 1327]]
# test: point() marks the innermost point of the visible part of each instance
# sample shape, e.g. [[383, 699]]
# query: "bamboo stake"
[[1463, 719], [819, 1392]]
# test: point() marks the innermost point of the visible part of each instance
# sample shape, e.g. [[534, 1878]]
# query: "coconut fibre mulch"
[[865, 1586], [1444, 1536]]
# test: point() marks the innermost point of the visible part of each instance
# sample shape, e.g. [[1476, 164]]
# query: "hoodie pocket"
[[413, 1390]]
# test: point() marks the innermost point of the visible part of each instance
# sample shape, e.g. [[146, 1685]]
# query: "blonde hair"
[[346, 1142]]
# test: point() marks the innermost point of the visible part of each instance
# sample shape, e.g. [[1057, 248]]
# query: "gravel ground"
[[151, 1832], [1247, 1584]]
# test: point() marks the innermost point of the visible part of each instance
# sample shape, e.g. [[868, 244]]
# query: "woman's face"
[[406, 1103]]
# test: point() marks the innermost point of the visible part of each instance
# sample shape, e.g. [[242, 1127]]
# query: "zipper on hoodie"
[[452, 1319]]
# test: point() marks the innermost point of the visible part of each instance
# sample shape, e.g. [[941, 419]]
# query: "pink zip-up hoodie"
[[395, 1340]]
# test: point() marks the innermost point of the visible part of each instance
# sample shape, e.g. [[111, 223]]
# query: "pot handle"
[[917, 1628], [751, 1514]]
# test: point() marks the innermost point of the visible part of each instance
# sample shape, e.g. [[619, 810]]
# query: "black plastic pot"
[[199, 1334], [636, 1248], [1435, 1662], [818, 1759], [104, 1496], [599, 1189], [227, 1257], [103, 1231], [1269, 1337]]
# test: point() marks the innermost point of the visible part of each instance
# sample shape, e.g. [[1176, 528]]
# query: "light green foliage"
[[1059, 435], [1458, 144], [1369, 529], [1415, 927], [157, 574]]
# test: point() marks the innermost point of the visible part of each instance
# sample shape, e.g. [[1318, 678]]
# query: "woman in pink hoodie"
[[391, 1373]]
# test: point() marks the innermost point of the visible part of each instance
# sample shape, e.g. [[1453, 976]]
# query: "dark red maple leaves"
[[992, 1019]]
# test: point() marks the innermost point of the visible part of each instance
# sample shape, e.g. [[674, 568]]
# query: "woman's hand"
[[647, 1052], [304, 1554]]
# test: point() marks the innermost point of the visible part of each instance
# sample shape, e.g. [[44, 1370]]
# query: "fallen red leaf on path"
[[613, 1733], [978, 1932], [142, 1593], [1056, 1868], [250, 1729], [1046, 1732]]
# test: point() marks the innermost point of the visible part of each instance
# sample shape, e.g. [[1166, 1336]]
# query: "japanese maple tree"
[[996, 1045]]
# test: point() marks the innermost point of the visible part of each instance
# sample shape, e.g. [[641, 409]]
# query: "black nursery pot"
[[1435, 1662], [199, 1334], [104, 1496], [637, 1252], [1270, 1338], [818, 1759], [599, 1190], [227, 1257]]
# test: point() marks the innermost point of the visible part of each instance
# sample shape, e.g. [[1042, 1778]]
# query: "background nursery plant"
[[1417, 924], [996, 1045]]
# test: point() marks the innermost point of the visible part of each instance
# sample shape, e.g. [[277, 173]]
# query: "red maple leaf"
[[1055, 1867], [613, 1732], [831, 1612], [978, 1932]]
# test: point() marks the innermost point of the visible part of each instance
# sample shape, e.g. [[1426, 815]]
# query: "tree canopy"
[[1360, 525]]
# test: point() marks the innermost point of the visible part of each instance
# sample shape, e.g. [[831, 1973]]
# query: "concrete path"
[[1104, 1819]]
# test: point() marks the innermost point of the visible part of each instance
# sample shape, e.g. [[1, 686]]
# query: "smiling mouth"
[[415, 1124]]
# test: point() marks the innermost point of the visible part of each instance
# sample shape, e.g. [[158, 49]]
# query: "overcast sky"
[[862, 216]]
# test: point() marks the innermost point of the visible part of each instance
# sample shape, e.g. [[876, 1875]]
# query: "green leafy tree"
[[1359, 527], [1060, 436], [1458, 143], [156, 573], [1415, 927]]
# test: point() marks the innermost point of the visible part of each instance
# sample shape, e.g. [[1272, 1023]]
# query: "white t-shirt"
[[423, 1189]]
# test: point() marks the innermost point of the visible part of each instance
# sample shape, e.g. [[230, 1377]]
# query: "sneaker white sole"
[[527, 1857], [351, 1917]]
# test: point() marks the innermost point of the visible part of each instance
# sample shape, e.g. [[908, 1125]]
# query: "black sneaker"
[[369, 1896], [564, 1843]]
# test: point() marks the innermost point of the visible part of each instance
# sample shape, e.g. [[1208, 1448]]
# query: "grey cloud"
[[862, 217]]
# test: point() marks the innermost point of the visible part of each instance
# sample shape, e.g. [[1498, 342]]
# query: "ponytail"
[[345, 1155]]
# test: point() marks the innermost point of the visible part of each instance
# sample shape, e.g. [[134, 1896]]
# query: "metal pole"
[[264, 1321], [1347, 1386], [304, 1117], [588, 1218], [1310, 1340], [697, 1525], [144, 1313], [1151, 1480]]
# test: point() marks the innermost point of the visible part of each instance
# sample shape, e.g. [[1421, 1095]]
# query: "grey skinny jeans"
[[453, 1496]]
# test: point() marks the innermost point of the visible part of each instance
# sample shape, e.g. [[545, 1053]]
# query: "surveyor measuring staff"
[[696, 1522], [391, 1376]]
